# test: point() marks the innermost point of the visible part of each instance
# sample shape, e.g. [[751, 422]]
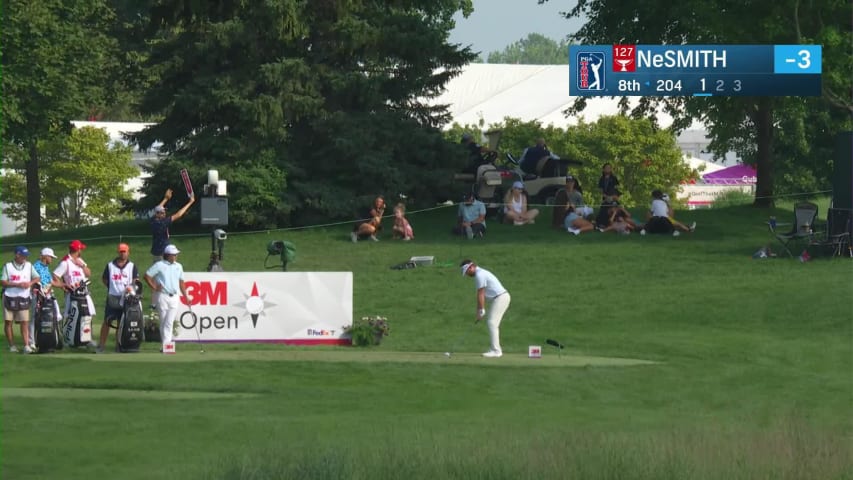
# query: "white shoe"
[[13, 349], [643, 231], [373, 237], [574, 231], [27, 349], [493, 354], [354, 237], [675, 233], [518, 223], [693, 227], [469, 233]]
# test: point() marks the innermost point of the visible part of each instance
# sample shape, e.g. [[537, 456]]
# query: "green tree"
[[643, 157], [84, 179], [748, 125], [536, 49], [56, 61], [326, 99]]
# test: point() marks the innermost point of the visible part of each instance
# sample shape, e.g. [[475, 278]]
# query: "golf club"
[[459, 340], [195, 324]]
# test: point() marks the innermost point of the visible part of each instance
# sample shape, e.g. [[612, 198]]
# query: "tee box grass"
[[734, 367]]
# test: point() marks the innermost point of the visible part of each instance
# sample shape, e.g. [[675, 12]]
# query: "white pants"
[[497, 308], [167, 308]]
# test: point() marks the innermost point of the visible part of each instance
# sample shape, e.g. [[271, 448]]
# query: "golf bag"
[[131, 325], [45, 322], [77, 327]]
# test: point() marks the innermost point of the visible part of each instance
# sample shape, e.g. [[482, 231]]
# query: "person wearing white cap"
[[17, 278], [42, 266], [489, 289], [515, 206], [167, 278]]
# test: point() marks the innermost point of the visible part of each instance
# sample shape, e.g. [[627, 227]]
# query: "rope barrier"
[[344, 222]]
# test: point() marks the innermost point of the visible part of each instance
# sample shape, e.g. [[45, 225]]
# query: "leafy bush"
[[733, 198], [368, 331]]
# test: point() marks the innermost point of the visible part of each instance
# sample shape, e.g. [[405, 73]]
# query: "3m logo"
[[207, 293], [590, 70]]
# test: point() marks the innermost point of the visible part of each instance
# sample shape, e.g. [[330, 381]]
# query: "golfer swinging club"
[[488, 288]]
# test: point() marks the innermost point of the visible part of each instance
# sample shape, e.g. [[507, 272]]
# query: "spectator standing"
[[17, 278], [119, 276], [71, 271], [42, 266], [607, 181]]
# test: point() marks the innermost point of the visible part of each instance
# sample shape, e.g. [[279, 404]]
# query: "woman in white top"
[[515, 206], [658, 217]]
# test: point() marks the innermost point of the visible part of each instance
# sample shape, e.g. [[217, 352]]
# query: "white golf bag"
[[77, 326]]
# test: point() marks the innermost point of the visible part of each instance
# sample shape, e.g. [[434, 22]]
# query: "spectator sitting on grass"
[[471, 218], [571, 195], [676, 223], [402, 228], [658, 215], [515, 204], [373, 224], [575, 223]]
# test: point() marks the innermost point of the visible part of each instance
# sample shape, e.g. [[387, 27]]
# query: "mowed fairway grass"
[[685, 359]]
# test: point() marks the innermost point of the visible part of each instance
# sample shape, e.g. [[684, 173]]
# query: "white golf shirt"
[[486, 279], [659, 208]]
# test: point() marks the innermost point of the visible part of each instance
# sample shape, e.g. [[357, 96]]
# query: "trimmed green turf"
[[190, 353], [752, 380]]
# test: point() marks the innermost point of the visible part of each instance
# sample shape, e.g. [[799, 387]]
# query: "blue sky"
[[495, 24]]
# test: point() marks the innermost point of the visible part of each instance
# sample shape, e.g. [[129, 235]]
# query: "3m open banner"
[[299, 308]]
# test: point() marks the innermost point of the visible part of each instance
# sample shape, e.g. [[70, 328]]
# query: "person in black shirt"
[[607, 181]]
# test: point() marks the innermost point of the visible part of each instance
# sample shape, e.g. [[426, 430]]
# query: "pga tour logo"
[[590, 71]]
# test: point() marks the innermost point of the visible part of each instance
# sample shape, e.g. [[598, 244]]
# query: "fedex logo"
[[207, 293], [320, 333], [15, 278], [119, 276]]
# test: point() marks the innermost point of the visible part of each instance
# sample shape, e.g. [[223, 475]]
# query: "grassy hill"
[[746, 373]]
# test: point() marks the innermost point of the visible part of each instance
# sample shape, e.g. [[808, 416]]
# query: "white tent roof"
[[704, 166], [529, 92]]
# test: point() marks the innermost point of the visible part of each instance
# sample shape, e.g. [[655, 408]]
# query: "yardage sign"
[[695, 70]]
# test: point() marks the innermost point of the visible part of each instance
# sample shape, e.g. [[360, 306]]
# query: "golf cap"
[[466, 136], [22, 251], [518, 184], [159, 209], [665, 197], [468, 196], [123, 247], [171, 250], [570, 178], [47, 252], [76, 245], [466, 267]]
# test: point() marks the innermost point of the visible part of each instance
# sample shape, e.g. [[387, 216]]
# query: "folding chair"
[[836, 236], [805, 214]]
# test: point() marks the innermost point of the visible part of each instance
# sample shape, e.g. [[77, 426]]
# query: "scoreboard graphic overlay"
[[695, 70]]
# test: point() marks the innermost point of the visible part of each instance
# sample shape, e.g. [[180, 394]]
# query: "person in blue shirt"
[[471, 218], [166, 277], [42, 267]]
